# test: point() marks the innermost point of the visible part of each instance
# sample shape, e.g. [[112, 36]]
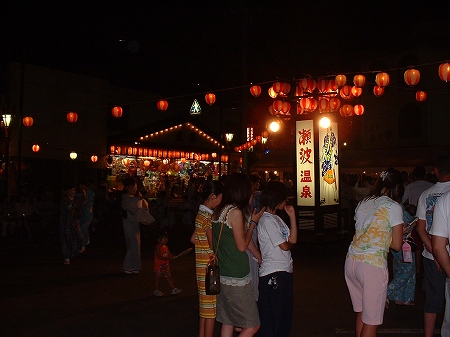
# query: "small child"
[[162, 264]]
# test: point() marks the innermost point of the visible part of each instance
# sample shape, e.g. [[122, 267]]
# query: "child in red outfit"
[[162, 264]]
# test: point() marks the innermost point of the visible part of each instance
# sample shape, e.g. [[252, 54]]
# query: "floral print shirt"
[[375, 218]]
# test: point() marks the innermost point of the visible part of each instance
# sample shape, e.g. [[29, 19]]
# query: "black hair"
[[273, 194], [129, 181], [442, 163], [254, 178], [419, 172], [390, 183], [161, 235], [211, 187], [237, 190]]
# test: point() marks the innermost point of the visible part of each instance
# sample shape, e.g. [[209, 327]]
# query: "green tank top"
[[232, 262]]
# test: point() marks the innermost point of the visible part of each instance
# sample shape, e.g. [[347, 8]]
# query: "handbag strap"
[[220, 234]]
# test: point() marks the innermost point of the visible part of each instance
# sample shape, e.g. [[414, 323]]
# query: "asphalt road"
[[40, 296]]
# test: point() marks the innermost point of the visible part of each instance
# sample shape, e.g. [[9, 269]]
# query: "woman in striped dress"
[[211, 195]]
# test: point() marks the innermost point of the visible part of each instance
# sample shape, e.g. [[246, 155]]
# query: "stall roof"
[[182, 133]]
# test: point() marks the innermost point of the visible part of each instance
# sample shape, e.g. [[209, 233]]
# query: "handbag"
[[212, 278]]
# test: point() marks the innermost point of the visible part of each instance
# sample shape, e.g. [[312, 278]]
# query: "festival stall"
[[166, 157]]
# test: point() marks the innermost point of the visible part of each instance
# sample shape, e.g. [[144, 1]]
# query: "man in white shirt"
[[434, 277], [440, 234]]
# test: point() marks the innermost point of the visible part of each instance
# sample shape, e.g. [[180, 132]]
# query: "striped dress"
[[207, 303]]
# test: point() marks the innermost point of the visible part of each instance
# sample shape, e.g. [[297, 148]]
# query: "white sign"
[[304, 131]]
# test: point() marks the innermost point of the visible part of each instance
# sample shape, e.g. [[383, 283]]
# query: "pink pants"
[[367, 285]]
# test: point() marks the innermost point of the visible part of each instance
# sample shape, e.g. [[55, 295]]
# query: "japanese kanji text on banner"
[[305, 162]]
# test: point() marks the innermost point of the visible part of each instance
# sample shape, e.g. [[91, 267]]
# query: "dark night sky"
[[174, 49]]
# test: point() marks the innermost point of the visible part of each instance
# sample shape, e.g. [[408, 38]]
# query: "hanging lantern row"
[[145, 152], [253, 142], [73, 155], [347, 110]]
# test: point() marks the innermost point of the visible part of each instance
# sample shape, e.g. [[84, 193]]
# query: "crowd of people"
[[247, 228], [410, 221]]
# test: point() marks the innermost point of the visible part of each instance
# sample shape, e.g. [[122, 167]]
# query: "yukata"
[[69, 227], [402, 287]]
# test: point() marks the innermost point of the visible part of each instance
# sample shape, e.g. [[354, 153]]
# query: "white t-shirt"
[[373, 230], [414, 190], [273, 231], [441, 217], [425, 207]]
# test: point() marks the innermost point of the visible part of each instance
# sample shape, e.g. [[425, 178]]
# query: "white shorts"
[[367, 285]]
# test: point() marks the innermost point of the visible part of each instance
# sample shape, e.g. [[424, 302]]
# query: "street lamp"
[[6, 122]]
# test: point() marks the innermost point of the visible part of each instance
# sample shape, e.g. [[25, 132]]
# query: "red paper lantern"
[[210, 98], [382, 79], [277, 105], [346, 92], [421, 96], [72, 117], [359, 80], [333, 85], [314, 105], [298, 91], [286, 107], [324, 104], [358, 109], [277, 87], [272, 111], [255, 90], [356, 91], [305, 103], [162, 105], [94, 158], [335, 103], [444, 72], [27, 121], [265, 134], [346, 110], [272, 93], [117, 112], [323, 85], [286, 88], [378, 91], [412, 77], [35, 148], [340, 80]]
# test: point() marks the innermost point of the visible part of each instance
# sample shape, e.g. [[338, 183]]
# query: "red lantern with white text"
[[210, 98], [382, 79], [117, 112], [72, 117], [421, 96], [27, 121], [162, 105], [358, 109], [412, 77], [94, 158], [444, 72], [35, 148], [255, 90], [378, 91]]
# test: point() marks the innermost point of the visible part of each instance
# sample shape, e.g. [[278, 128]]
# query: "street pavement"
[[40, 296]]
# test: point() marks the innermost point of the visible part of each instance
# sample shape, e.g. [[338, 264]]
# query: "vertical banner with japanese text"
[[329, 165], [304, 131]]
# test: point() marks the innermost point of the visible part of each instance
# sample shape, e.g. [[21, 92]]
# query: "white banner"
[[304, 131]]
